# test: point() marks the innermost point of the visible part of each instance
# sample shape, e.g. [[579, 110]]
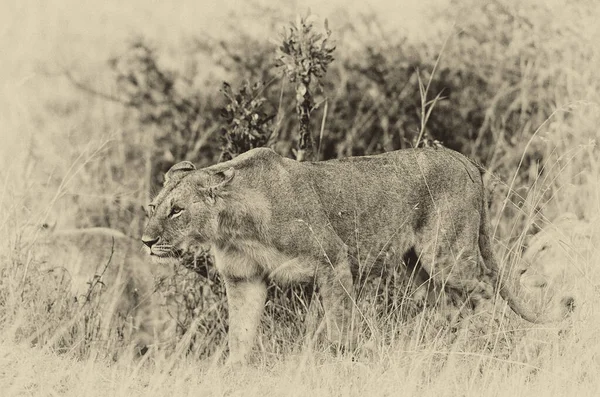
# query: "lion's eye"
[[175, 211], [522, 271]]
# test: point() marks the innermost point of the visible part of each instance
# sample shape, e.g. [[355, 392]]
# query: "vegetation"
[[512, 84]]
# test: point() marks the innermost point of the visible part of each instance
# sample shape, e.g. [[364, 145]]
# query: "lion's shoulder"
[[264, 158], [84, 250], [260, 153], [96, 244], [102, 232]]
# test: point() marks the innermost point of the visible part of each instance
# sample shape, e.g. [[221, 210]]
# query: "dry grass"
[[55, 142]]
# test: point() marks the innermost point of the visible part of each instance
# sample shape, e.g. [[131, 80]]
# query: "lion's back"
[[408, 173], [366, 200], [396, 188]]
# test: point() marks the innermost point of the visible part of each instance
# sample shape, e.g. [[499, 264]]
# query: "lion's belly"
[[252, 259]]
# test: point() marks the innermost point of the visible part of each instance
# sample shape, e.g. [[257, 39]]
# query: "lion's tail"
[[509, 287]]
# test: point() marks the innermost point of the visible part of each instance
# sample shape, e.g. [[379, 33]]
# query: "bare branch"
[[85, 88]]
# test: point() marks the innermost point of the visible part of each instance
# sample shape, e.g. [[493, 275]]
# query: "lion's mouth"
[[165, 251]]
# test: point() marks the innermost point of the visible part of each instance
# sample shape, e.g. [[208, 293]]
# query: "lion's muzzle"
[[157, 248], [150, 241]]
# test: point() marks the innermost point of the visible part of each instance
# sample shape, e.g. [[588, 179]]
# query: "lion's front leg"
[[246, 301], [335, 286]]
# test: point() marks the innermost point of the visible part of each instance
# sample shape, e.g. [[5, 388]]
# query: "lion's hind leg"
[[335, 283], [455, 265]]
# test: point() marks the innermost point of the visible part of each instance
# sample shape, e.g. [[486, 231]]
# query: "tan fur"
[[558, 253], [331, 222], [122, 275]]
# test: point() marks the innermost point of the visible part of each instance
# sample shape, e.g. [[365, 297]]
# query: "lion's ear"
[[222, 178], [184, 166]]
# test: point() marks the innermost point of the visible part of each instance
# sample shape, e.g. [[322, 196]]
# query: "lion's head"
[[184, 216], [555, 252]]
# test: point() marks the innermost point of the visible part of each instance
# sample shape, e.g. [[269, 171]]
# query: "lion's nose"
[[149, 241]]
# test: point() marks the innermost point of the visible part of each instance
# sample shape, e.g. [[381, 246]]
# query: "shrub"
[[498, 80]]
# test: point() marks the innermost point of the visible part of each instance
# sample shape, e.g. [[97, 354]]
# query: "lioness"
[[269, 217], [111, 268], [558, 253]]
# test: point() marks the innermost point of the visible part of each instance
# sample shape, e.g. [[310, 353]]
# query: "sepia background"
[[99, 99]]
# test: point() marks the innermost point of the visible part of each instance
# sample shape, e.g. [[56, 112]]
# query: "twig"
[[322, 129], [423, 92], [78, 84], [97, 278]]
